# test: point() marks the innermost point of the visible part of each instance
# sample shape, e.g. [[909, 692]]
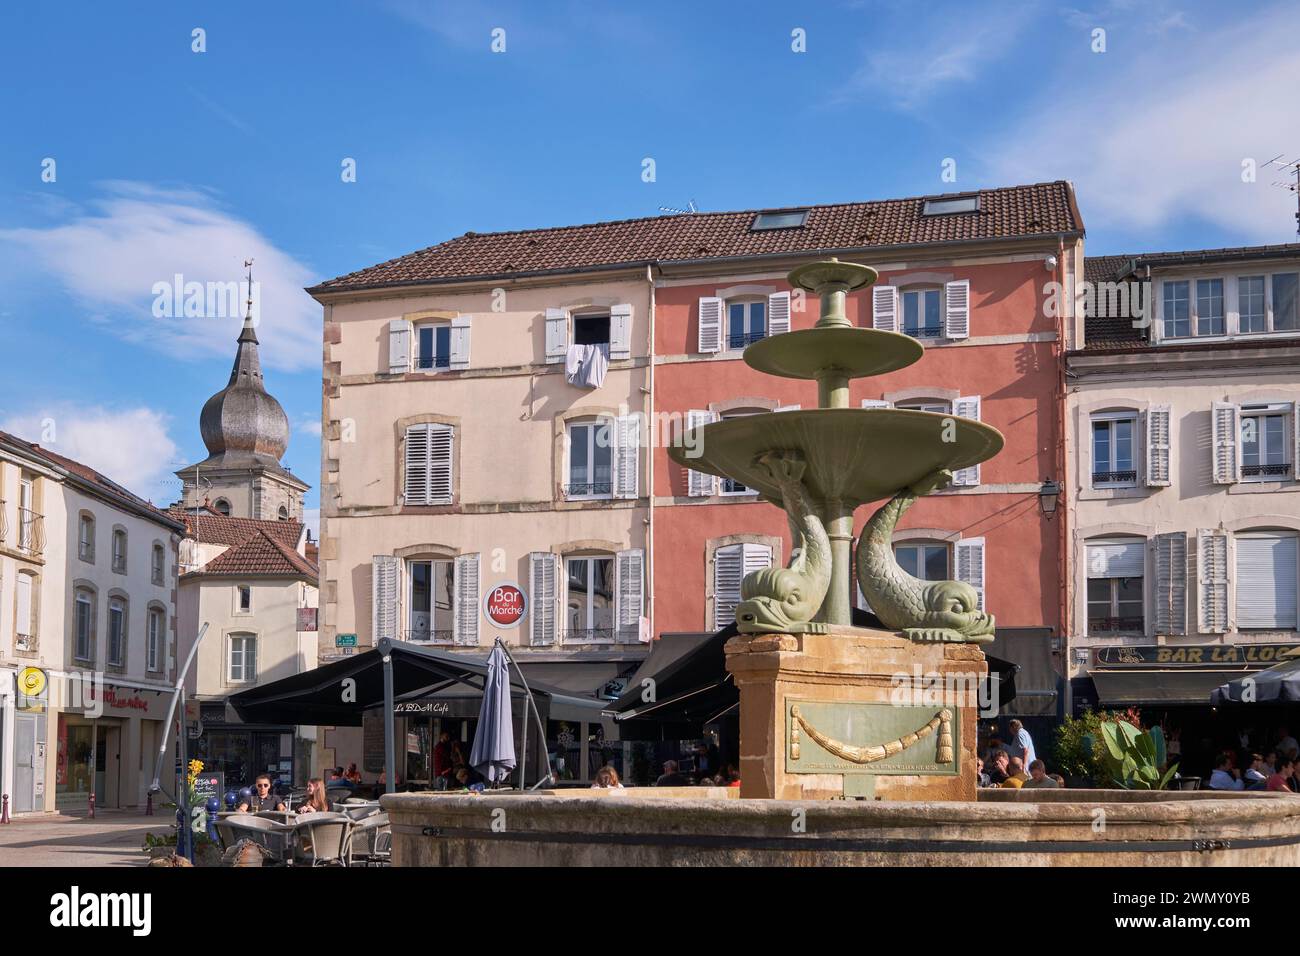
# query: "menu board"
[[209, 784]]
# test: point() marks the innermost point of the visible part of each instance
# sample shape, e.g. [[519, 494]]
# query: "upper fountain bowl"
[[847, 351]]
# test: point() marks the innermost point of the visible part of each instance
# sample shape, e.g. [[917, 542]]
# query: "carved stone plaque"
[[848, 737]]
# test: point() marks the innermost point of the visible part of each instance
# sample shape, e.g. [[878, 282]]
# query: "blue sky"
[[173, 161]]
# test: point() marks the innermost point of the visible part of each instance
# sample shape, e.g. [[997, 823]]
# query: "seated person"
[[316, 799], [1038, 778], [353, 775], [1225, 776], [262, 798]]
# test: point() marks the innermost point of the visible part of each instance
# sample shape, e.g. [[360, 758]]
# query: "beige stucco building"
[[1183, 498]]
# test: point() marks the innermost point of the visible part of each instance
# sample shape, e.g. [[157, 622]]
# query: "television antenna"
[[1291, 168], [690, 208]]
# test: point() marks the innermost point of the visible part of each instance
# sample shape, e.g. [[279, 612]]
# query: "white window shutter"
[[544, 575], [383, 597], [1295, 452], [460, 326], [957, 309], [399, 346], [970, 565], [968, 406], [416, 487], [778, 313], [757, 557], [1158, 461], [876, 403], [1226, 434], [620, 331], [710, 337], [557, 335], [699, 484], [441, 452], [728, 569], [1169, 596], [629, 575], [884, 308], [1266, 581], [1212, 580], [465, 608], [627, 456]]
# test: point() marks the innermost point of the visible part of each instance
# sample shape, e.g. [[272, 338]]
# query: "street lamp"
[[1047, 498]]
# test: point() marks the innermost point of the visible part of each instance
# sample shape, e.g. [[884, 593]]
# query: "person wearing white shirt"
[[1223, 778], [1022, 742]]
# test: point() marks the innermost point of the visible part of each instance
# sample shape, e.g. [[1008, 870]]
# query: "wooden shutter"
[[710, 335], [620, 331], [629, 577], [1170, 592], [970, 565], [1226, 440], [1156, 431], [884, 308], [876, 403], [416, 485], [967, 407], [441, 451], [465, 608], [1266, 581], [543, 572], [557, 335], [627, 456], [957, 309], [1212, 581], [399, 346], [778, 313], [730, 566], [699, 484], [460, 326], [383, 597]]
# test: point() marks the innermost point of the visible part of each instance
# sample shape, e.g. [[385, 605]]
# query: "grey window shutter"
[[383, 597], [884, 308], [1212, 581], [1266, 581], [1169, 597], [627, 456], [1226, 430], [543, 576], [778, 313], [629, 573], [967, 407], [1158, 461], [557, 335], [699, 484], [465, 614], [460, 327], [415, 489], [442, 442], [957, 309], [970, 563], [399, 346], [710, 332], [620, 331]]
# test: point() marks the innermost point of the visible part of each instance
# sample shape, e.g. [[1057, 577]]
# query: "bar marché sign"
[[1194, 655]]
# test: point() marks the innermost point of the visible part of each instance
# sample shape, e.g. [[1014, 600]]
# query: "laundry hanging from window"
[[586, 365]]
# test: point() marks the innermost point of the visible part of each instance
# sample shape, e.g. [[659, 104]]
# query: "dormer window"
[[951, 204], [779, 219]]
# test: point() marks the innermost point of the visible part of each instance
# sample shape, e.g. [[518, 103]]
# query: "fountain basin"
[[854, 455], [849, 352]]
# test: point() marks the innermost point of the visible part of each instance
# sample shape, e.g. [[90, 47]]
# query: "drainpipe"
[[650, 451], [1063, 606]]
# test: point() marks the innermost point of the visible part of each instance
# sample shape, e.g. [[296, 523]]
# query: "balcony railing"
[[590, 635], [426, 636], [1102, 625], [738, 340], [924, 331], [433, 361], [589, 489], [1113, 477], [1266, 471], [31, 531]]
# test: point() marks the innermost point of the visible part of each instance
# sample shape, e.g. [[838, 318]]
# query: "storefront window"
[[75, 771]]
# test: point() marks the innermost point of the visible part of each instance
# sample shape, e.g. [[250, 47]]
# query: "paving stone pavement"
[[113, 838]]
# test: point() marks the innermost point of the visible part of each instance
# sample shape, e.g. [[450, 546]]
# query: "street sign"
[[345, 640]]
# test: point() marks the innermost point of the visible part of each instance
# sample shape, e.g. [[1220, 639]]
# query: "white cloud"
[[309, 426], [109, 257], [129, 445], [1162, 135]]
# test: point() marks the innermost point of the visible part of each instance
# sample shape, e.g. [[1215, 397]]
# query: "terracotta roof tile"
[[261, 554], [1019, 211], [211, 527]]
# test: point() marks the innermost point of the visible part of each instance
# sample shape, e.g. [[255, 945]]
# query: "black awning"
[[1279, 684], [1151, 686]]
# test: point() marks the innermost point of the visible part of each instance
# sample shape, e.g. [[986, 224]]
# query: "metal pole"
[[184, 838], [167, 724], [390, 757]]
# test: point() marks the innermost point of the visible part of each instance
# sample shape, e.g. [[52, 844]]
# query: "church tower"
[[246, 432]]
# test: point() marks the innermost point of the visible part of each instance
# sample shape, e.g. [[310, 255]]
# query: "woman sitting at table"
[[316, 800], [353, 775]]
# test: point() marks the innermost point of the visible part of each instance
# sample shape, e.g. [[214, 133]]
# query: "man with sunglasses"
[[262, 798]]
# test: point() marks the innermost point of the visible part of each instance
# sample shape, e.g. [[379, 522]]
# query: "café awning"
[[1279, 684], [1153, 686]]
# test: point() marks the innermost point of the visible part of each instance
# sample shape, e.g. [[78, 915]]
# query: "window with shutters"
[[731, 564], [433, 346], [1267, 441], [430, 602], [589, 588], [591, 459], [429, 451], [1266, 579], [746, 322], [935, 405], [241, 661], [1116, 602], [1114, 444], [926, 560], [592, 329], [25, 626], [921, 313]]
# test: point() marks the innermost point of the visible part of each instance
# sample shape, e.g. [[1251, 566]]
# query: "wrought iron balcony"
[[433, 361], [1266, 471], [31, 531], [1113, 477], [589, 489], [1102, 625], [738, 340], [427, 636], [924, 331], [590, 635]]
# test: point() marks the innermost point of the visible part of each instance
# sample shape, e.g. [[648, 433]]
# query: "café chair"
[[328, 838]]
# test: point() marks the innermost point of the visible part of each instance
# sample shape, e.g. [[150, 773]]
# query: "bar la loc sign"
[[504, 605]]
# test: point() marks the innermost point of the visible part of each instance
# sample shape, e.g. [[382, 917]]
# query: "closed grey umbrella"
[[493, 753], [1278, 684]]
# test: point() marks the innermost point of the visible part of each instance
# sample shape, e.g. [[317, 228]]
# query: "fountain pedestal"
[[814, 708]]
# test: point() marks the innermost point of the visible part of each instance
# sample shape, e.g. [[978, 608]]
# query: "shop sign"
[[127, 701], [1210, 656], [435, 708], [504, 605], [307, 618]]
